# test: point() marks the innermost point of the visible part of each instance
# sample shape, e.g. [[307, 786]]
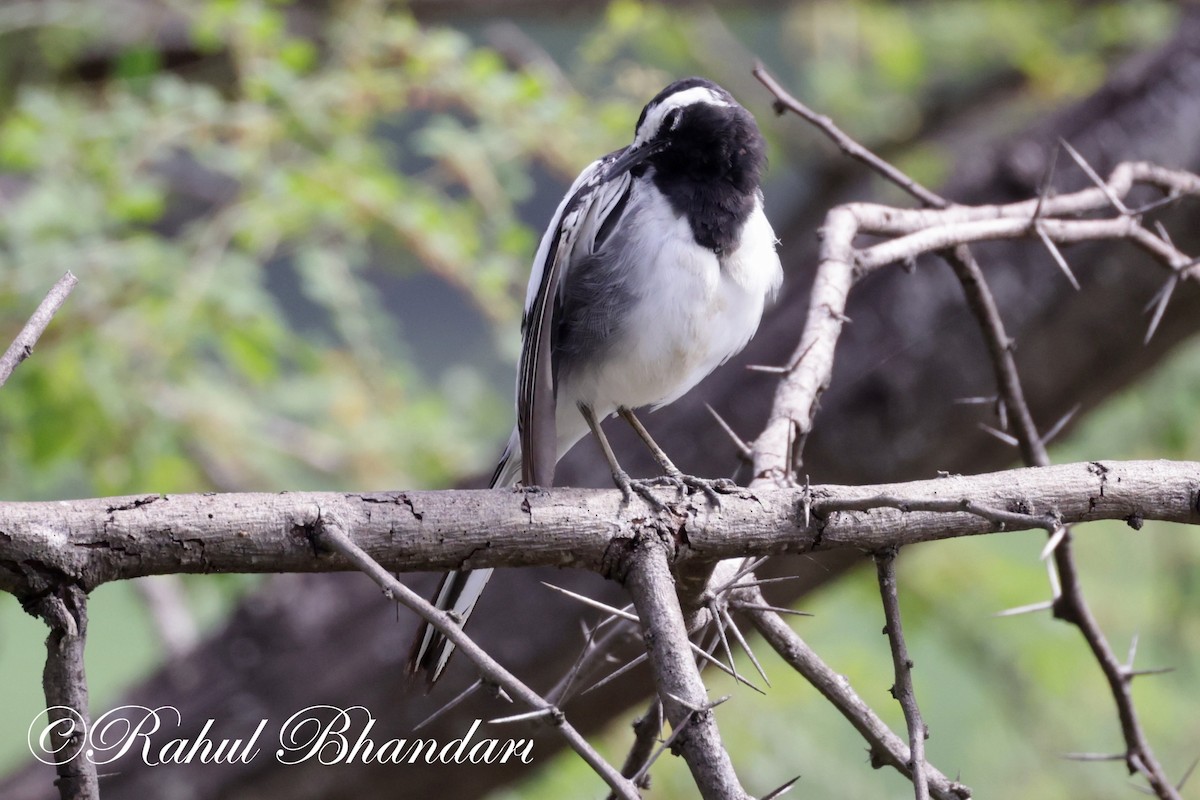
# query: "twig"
[[330, 532], [940, 229], [1069, 603], [785, 101], [902, 690], [646, 729], [22, 346], [886, 747]]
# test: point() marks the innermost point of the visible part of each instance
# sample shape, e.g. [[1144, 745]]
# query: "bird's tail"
[[459, 591]]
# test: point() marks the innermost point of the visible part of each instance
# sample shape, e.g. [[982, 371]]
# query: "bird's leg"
[[620, 476], [671, 473]]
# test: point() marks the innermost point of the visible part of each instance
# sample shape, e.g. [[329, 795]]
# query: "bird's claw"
[[642, 488], [712, 488]]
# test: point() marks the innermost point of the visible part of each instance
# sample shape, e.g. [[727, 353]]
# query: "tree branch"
[[646, 573], [886, 747], [22, 346], [92, 542], [329, 531], [902, 689], [65, 685]]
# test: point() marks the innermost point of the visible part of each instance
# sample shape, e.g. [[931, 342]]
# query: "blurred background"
[[302, 232]]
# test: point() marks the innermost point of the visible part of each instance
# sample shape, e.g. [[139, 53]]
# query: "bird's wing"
[[577, 228]]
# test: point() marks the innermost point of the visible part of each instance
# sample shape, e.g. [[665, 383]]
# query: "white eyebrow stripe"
[[688, 97]]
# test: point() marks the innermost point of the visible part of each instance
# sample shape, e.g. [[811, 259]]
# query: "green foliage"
[[183, 206], [883, 66]]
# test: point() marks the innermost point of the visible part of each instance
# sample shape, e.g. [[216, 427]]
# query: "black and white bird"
[[654, 270]]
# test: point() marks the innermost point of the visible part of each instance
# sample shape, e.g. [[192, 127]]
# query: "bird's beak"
[[632, 158]]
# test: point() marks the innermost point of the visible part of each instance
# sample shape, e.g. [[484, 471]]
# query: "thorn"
[[1094, 756], [1060, 533], [975, 401], [1161, 299], [1057, 427], [443, 709], [1091, 173], [716, 662], [765, 581], [1161, 230], [1008, 439], [616, 673], [782, 790], [696, 710], [670, 740], [1133, 643], [562, 692], [1187, 774], [1154, 205], [745, 646], [795, 362], [1058, 256], [1137, 673], [548, 711], [587, 601], [807, 502], [1052, 576], [1044, 605], [749, 566], [743, 448], [776, 609], [1047, 179], [693, 709], [719, 624], [789, 448]]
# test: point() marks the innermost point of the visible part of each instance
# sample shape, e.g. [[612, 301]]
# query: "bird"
[[654, 270]]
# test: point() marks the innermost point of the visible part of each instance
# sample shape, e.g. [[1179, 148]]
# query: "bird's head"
[[695, 129]]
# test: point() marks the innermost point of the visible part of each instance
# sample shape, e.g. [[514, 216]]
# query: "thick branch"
[[65, 685], [647, 576], [91, 542]]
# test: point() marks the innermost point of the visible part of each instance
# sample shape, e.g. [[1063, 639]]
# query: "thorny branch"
[[902, 689], [949, 229], [886, 747], [647, 576], [330, 532]]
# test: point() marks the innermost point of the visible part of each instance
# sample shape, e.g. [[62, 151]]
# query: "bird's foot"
[[642, 487], [713, 488]]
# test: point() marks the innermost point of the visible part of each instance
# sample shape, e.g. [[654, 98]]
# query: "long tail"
[[459, 591]]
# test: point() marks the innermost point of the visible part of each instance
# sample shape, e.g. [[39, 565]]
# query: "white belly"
[[691, 312]]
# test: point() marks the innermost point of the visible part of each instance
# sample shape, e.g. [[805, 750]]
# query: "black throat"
[[710, 173]]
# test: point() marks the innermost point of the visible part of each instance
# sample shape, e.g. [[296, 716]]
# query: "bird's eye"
[[671, 120]]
